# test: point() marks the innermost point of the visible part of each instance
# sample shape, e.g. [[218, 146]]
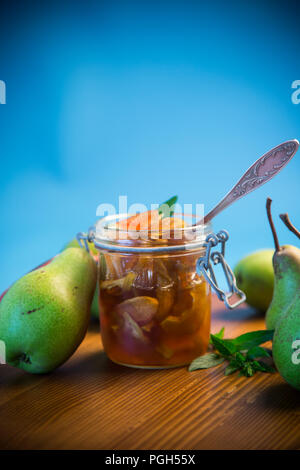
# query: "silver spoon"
[[264, 169]]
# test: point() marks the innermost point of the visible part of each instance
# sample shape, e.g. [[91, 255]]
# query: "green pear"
[[45, 314], [286, 344], [94, 252], [286, 264], [254, 276]]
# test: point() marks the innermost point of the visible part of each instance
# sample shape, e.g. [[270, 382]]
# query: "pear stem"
[[268, 206], [285, 218]]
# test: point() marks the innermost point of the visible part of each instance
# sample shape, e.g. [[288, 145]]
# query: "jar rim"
[[190, 237]]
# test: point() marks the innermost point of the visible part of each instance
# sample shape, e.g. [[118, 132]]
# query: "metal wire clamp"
[[85, 238], [204, 267]]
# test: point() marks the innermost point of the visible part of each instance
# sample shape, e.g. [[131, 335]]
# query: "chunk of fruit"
[[164, 351], [141, 221], [171, 324], [165, 297], [184, 301], [191, 318], [167, 227], [144, 274], [163, 278], [110, 266], [128, 262], [172, 223], [130, 330], [140, 309], [117, 286]]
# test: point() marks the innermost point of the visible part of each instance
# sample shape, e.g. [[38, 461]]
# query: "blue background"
[[145, 99]]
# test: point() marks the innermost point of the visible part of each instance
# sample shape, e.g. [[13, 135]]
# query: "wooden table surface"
[[91, 403]]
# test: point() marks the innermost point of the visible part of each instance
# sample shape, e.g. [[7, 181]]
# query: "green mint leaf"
[[249, 370], [224, 346], [231, 368], [219, 335], [262, 367], [166, 208], [234, 362], [256, 352], [206, 362], [240, 358], [249, 340]]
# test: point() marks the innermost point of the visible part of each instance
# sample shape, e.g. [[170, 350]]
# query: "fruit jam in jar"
[[154, 307]]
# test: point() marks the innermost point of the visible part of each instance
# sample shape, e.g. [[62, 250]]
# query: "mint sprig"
[[242, 353], [249, 340], [166, 209], [206, 361]]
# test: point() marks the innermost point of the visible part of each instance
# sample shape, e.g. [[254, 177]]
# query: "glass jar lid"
[[110, 234]]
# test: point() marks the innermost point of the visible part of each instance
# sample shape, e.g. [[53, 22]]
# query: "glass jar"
[[154, 296]]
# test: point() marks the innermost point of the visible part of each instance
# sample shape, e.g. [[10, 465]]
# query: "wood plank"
[[91, 403]]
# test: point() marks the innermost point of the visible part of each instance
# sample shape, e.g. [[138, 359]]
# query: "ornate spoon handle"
[[258, 174]]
